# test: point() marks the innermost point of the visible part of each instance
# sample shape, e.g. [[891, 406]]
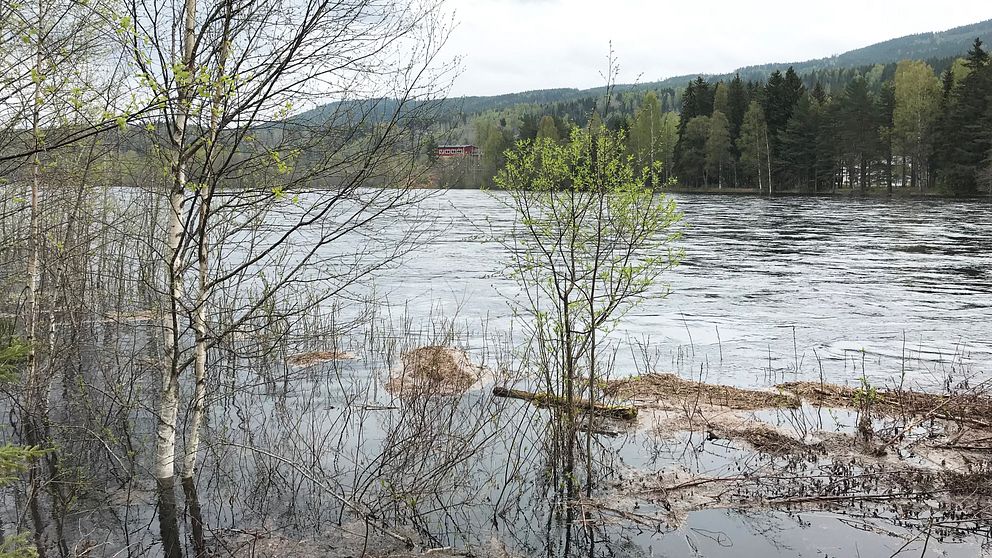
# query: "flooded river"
[[768, 288], [310, 459]]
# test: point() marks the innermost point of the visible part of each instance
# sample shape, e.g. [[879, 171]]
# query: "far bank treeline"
[[909, 127]]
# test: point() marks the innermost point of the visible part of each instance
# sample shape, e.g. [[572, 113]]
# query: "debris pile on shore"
[[927, 462]]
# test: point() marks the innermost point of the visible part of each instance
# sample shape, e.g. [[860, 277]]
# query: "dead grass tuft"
[[768, 440], [304, 360], [435, 370]]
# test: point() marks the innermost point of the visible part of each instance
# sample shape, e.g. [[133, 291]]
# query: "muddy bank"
[[905, 458], [972, 406]]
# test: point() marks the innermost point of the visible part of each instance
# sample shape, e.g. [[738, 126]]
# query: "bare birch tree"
[[249, 176]]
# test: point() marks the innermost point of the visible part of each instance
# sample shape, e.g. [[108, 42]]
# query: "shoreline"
[[845, 193], [873, 193]]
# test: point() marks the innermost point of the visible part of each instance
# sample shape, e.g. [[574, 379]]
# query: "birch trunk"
[[203, 260], [200, 318], [33, 381], [165, 449]]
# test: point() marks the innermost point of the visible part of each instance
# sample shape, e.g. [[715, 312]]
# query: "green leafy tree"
[[666, 142], [721, 98], [917, 101], [493, 140], [753, 144], [646, 133], [718, 146], [548, 129]]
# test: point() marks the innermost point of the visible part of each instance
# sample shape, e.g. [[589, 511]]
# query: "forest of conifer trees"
[[910, 127]]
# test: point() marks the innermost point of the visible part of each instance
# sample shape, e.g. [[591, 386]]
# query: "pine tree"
[[794, 89], [737, 101], [528, 126], [884, 115], [697, 100], [965, 126], [819, 93], [798, 143], [782, 92], [692, 159], [859, 129], [829, 149]]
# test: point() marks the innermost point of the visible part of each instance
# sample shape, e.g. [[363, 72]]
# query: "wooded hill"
[[931, 47], [914, 125]]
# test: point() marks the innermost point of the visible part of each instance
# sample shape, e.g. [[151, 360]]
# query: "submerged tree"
[[589, 241]]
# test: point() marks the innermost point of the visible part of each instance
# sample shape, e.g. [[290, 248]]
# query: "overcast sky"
[[518, 45]]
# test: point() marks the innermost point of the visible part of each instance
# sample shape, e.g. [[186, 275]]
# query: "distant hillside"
[[923, 46]]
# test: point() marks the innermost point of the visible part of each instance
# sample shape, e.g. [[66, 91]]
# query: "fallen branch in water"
[[619, 412]]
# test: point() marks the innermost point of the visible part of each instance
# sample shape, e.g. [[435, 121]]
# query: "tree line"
[[914, 131], [912, 126]]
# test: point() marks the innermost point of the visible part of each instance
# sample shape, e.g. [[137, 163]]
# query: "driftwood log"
[[619, 412]]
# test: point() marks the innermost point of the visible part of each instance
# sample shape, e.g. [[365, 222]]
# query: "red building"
[[456, 150]]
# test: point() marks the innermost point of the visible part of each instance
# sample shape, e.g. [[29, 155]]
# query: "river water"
[[769, 290], [791, 287]]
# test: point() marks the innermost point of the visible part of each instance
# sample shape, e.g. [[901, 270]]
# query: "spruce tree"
[[859, 130], [798, 144], [737, 102], [965, 126]]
